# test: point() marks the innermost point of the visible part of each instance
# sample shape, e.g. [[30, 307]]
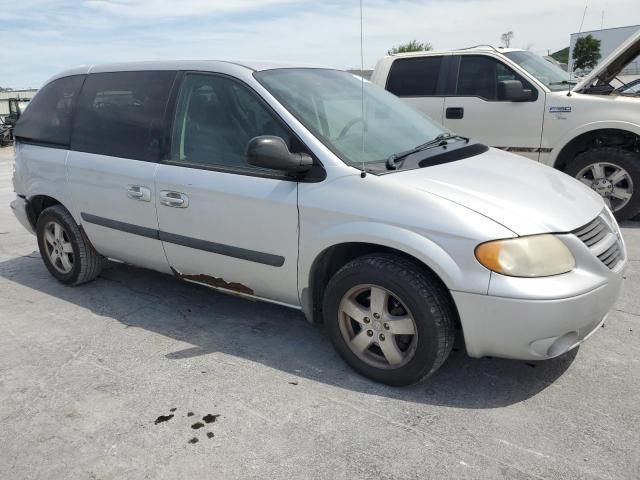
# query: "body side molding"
[[189, 242]]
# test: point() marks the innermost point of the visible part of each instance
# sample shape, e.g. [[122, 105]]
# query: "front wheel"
[[614, 174], [389, 319]]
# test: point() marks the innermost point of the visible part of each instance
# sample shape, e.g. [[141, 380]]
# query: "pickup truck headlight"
[[534, 256]]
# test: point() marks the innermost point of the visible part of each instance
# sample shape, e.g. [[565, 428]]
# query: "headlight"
[[534, 256]]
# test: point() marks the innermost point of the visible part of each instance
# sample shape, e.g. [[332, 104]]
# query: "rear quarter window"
[[414, 77], [121, 114], [49, 116]]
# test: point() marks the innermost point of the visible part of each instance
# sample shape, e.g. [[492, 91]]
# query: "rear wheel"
[[65, 249], [614, 174], [389, 319]]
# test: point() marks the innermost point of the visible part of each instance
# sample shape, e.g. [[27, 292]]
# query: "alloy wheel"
[[611, 181], [58, 247], [377, 326]]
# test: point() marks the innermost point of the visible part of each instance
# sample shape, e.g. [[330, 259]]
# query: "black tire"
[[86, 264], [628, 160], [422, 293]]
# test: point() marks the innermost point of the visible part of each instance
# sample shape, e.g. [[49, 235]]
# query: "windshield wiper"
[[440, 140]]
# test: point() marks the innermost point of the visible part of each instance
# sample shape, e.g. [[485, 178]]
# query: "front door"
[[476, 110], [223, 222]]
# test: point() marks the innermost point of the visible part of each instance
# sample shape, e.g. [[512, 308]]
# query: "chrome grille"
[[602, 240]]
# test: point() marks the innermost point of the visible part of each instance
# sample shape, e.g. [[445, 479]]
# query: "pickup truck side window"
[[47, 120], [414, 77], [120, 114], [215, 119], [479, 75]]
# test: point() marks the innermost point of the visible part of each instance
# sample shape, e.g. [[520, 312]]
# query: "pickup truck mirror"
[[268, 151], [512, 90]]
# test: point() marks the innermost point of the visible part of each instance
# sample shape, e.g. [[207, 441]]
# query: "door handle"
[[169, 198], [455, 112], [139, 192]]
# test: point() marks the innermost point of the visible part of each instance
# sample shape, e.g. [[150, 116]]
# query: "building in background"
[[610, 39], [6, 95]]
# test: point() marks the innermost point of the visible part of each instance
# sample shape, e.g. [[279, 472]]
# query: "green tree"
[[412, 46], [586, 53]]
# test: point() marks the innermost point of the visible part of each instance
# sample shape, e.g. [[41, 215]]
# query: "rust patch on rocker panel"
[[214, 282]]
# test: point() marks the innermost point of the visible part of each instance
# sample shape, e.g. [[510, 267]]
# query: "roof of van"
[[182, 65], [196, 65]]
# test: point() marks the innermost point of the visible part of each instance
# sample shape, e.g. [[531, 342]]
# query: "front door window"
[[216, 117]]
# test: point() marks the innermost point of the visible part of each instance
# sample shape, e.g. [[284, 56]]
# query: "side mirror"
[[267, 151], [512, 90]]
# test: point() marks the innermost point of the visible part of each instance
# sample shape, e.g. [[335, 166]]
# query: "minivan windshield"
[[544, 71], [329, 103]]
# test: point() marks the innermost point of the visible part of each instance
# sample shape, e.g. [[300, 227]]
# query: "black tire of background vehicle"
[[626, 159], [87, 262], [422, 293]]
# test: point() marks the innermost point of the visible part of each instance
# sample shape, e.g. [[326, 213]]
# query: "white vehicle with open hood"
[[310, 188], [517, 101]]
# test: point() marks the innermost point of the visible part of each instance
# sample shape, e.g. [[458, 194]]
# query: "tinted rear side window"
[[121, 114], [48, 117], [414, 77]]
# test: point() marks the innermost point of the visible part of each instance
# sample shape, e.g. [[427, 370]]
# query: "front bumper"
[[20, 209], [532, 329], [541, 318]]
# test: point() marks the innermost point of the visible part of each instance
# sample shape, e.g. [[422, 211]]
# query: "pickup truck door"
[[473, 108], [224, 223]]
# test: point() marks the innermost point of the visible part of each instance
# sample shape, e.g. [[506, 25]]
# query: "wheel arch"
[[603, 134], [335, 256], [37, 204]]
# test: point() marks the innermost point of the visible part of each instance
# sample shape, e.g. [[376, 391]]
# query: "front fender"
[[591, 127], [466, 274]]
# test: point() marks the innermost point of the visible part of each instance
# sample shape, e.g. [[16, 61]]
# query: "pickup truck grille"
[[602, 240]]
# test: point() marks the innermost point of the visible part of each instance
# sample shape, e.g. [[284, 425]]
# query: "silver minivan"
[[314, 189]]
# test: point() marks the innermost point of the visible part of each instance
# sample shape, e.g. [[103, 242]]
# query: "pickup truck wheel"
[[65, 249], [613, 173], [389, 319]]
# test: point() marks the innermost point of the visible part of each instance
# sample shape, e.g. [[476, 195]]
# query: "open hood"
[[611, 66]]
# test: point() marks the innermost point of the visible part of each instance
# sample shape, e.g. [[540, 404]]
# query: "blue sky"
[[41, 37]]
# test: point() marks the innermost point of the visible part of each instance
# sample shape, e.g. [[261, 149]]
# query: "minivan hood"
[[524, 196], [611, 66]]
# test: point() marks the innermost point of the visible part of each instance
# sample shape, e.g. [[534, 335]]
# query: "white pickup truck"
[[514, 100]]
